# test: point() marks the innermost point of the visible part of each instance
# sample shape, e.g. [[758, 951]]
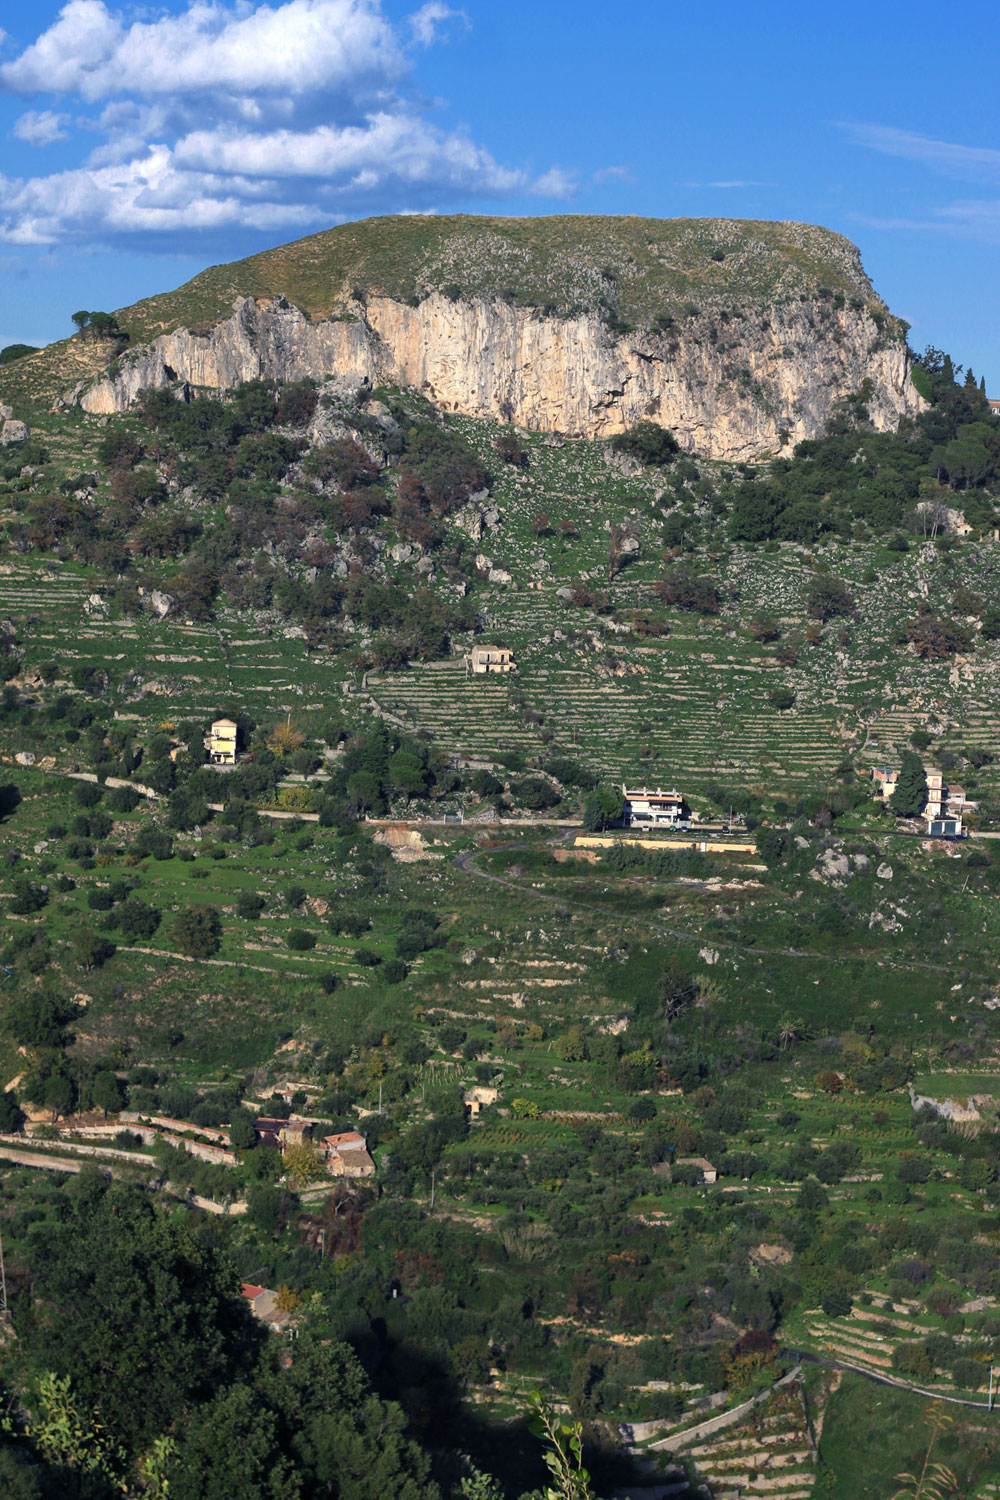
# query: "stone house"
[[347, 1155], [282, 1133], [483, 659], [478, 1097]]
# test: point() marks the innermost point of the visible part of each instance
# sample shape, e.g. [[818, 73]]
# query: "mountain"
[[740, 336]]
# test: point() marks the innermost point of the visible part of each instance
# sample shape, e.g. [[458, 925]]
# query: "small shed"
[[708, 1172]]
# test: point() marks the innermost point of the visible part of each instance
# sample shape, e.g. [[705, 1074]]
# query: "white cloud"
[[426, 22], [244, 115], [731, 182], [611, 174], [555, 183], [387, 147], [955, 160], [295, 48], [41, 127], [141, 196]]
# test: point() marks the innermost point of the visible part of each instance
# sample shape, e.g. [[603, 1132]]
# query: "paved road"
[[807, 1357]]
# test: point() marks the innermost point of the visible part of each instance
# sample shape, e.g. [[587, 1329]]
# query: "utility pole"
[[380, 1096], [4, 1313], [433, 1186]]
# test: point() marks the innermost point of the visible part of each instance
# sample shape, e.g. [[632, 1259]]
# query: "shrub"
[[299, 940], [87, 793], [836, 1303], [135, 919], [249, 905], [648, 442]]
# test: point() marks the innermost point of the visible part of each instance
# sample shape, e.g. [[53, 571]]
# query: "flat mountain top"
[[644, 268], [630, 270]]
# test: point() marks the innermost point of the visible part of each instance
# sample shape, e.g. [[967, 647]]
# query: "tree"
[[27, 897], [90, 949], [197, 931], [303, 1164], [107, 1092], [10, 352], [134, 1300], [135, 919], [242, 1135], [684, 589], [910, 795], [284, 738], [58, 1094], [81, 319], [11, 1114], [407, 774], [675, 989], [603, 807], [827, 597], [935, 639]]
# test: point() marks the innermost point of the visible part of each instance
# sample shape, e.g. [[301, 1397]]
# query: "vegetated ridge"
[[739, 336]]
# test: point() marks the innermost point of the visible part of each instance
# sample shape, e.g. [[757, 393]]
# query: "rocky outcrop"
[[742, 390]]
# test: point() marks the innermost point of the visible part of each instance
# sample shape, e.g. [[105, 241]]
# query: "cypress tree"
[[910, 796]]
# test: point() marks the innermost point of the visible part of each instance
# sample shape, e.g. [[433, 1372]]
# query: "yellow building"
[[220, 742]]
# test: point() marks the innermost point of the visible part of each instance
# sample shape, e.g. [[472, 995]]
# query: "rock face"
[[768, 380]]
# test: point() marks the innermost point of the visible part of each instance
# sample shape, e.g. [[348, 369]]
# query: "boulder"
[[161, 603], [499, 575], [14, 431], [884, 872]]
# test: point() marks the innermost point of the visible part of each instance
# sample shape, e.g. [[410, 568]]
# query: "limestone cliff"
[[739, 389]]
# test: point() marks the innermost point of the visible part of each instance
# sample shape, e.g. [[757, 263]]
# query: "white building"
[[646, 809]]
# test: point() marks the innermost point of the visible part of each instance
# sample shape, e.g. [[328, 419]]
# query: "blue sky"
[[142, 143]]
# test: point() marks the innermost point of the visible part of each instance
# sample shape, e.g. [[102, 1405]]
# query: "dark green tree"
[[197, 931], [107, 1092], [910, 795], [129, 1300]]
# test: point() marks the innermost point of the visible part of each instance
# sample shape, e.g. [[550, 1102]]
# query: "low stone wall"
[[724, 1419]]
